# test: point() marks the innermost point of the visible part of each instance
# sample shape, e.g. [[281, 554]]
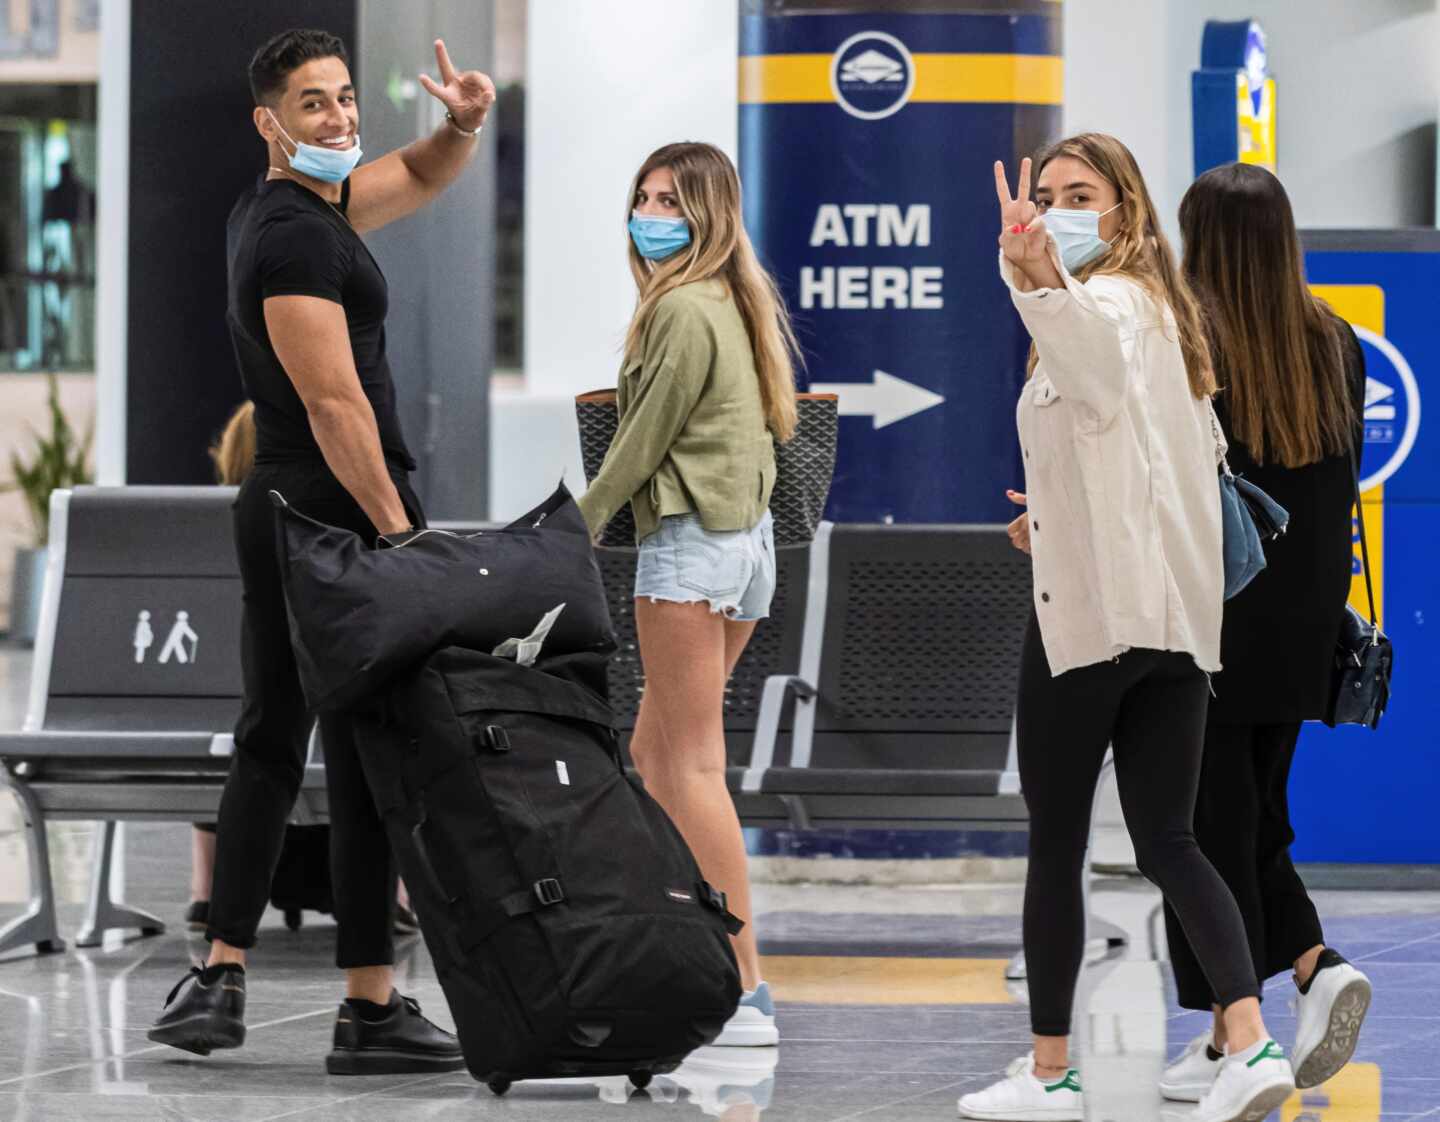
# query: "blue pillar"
[[866, 144]]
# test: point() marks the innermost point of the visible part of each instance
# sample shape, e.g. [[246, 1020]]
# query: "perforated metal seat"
[[136, 684]]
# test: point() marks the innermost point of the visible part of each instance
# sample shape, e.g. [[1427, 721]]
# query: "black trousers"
[[272, 736], [1150, 707], [1242, 821]]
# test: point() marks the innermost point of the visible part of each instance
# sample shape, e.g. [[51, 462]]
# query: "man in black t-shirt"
[[306, 311]]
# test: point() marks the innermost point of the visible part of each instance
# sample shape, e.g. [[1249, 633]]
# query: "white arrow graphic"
[[888, 399]]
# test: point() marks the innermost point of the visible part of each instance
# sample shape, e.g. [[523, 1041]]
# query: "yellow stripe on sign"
[[834, 980], [1363, 305], [1017, 79], [1013, 79]]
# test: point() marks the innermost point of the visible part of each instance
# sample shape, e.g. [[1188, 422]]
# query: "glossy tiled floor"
[[892, 1003]]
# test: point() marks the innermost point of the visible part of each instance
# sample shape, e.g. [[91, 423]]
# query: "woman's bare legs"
[[679, 745]]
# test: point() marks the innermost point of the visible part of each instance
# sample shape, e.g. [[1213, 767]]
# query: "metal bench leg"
[[103, 914], [37, 926]]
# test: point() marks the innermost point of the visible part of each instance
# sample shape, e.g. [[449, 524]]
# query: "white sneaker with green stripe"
[[1250, 1085], [1020, 1097]]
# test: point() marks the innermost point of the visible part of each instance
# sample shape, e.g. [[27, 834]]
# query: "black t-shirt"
[[282, 239]]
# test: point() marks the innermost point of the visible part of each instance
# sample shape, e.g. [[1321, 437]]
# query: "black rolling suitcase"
[[568, 921]]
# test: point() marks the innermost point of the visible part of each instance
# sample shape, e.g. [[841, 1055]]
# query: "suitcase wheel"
[[641, 1079], [498, 1086], [294, 918]]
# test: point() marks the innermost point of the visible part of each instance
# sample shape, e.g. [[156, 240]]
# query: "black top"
[[282, 239], [1279, 633]]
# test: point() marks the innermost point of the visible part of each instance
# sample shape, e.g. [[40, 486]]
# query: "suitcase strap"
[[714, 899], [487, 916]]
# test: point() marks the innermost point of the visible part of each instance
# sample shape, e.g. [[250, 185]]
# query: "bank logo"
[[872, 75], [871, 67], [1392, 409]]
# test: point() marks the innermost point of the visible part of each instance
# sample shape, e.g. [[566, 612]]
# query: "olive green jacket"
[[692, 435]]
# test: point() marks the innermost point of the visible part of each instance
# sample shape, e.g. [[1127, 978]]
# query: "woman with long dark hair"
[[1292, 391], [1120, 450]]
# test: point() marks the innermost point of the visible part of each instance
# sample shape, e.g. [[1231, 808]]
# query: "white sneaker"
[[1020, 1097], [1250, 1085], [752, 1025], [720, 1079], [1189, 1077], [1331, 1013]]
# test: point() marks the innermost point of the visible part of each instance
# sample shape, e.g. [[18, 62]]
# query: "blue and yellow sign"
[[866, 145], [1233, 98], [1382, 282]]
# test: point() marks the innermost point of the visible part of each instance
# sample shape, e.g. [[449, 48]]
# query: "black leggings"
[[1150, 707], [272, 735], [1242, 822]]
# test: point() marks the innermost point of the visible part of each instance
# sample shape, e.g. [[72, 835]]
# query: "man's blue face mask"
[[1077, 233], [331, 165], [658, 236]]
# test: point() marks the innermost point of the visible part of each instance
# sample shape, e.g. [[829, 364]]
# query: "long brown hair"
[[234, 452], [1139, 250], [1276, 346], [708, 190]]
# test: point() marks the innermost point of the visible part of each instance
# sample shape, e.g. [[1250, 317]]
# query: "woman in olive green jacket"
[[706, 388]]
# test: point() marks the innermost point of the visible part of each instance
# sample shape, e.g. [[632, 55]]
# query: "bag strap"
[[1364, 550], [1222, 461]]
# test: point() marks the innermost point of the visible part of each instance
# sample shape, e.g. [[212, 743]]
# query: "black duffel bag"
[[569, 924], [360, 616], [804, 465]]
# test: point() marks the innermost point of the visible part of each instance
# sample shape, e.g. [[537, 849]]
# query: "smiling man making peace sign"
[[307, 306]]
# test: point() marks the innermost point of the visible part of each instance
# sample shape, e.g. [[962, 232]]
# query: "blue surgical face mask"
[[657, 236], [1077, 232], [332, 165]]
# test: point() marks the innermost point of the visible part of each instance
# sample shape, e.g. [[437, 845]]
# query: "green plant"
[[57, 460]]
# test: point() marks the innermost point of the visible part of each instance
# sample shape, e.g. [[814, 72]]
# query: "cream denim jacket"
[[1120, 469]]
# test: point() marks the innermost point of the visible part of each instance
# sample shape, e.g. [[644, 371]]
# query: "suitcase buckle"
[[497, 738], [548, 891], [712, 896]]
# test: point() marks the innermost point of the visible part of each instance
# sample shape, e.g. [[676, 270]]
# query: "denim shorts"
[[733, 571]]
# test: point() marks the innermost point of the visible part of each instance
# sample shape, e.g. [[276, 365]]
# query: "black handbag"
[[1364, 658], [804, 465]]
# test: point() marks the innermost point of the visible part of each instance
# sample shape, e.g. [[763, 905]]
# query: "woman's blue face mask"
[[658, 236], [1077, 233]]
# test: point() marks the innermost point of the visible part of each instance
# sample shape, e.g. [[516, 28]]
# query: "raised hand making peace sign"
[[1023, 239], [468, 94]]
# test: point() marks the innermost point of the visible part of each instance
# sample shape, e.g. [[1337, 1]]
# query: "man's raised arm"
[[406, 179]]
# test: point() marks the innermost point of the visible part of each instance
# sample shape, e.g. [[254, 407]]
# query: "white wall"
[[606, 85], [78, 58], [1358, 88]]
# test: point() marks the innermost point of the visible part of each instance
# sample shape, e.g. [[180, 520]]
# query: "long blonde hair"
[[234, 452], [1140, 250], [708, 190]]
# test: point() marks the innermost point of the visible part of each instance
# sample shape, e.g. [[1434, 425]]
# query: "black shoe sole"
[[199, 1035], [383, 1061]]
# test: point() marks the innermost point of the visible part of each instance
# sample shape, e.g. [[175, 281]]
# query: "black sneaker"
[[205, 1011], [197, 916], [397, 1041]]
